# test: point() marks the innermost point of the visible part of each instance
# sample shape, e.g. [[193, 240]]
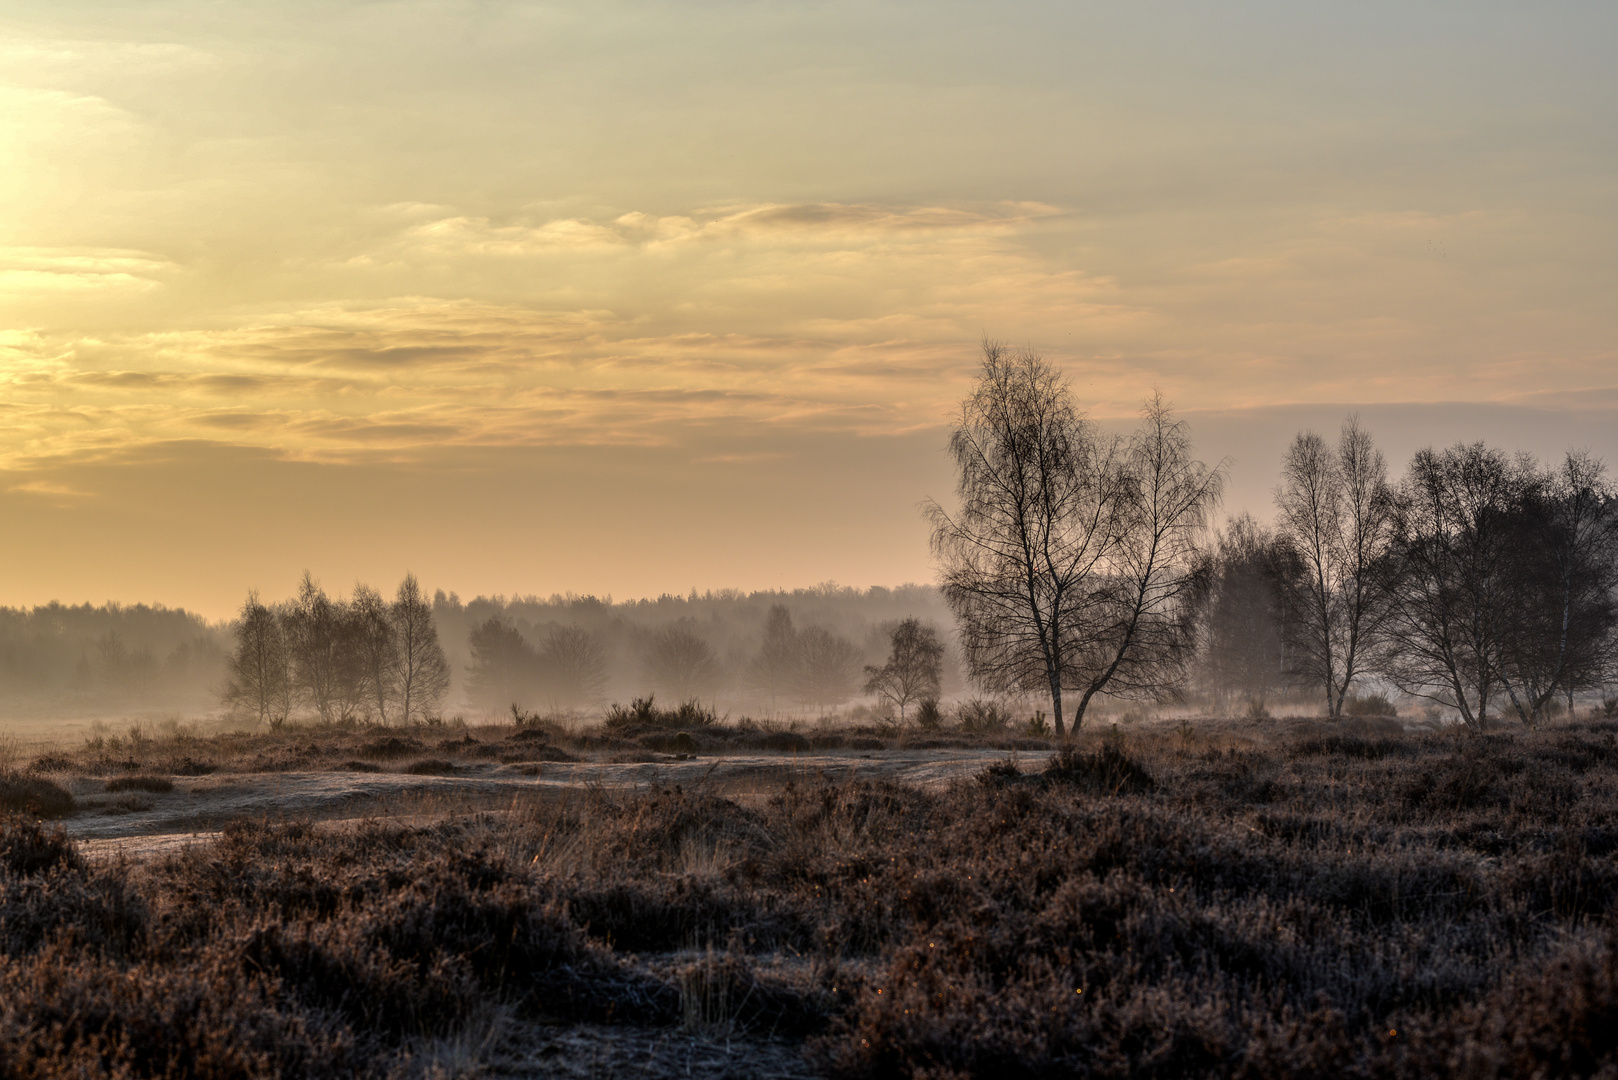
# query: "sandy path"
[[144, 825]]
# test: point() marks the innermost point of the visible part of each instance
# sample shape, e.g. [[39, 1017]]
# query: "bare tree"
[[574, 666], [314, 631], [1044, 505], [421, 672], [375, 646], [680, 663], [1454, 528], [1336, 512], [260, 682], [913, 667], [1070, 563]]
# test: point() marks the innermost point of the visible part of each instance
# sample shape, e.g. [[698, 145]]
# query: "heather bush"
[[30, 794]]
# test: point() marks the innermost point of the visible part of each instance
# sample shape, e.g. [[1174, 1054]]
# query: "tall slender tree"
[[1336, 511], [422, 673], [260, 682]]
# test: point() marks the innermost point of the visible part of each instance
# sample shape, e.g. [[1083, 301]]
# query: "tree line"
[[357, 659], [1078, 563]]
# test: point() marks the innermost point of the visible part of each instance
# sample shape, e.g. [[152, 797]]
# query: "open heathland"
[[1245, 900]]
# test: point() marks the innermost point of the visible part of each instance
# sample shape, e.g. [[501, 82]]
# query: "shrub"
[[1109, 771], [982, 715], [157, 785], [1369, 705], [22, 793], [431, 767], [929, 717], [394, 746], [26, 847], [643, 712]]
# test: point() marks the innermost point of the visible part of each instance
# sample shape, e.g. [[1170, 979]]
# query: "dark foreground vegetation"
[[1338, 902]]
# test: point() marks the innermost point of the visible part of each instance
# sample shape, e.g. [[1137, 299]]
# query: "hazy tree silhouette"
[[680, 663], [574, 666], [913, 667], [501, 664], [1070, 564], [827, 666], [775, 670], [1244, 613], [314, 632]]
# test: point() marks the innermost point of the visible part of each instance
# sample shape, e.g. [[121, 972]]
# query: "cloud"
[[49, 488]]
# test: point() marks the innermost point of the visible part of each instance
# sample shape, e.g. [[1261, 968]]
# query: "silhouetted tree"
[[913, 667], [259, 682], [827, 666], [775, 670], [1071, 562], [680, 663], [315, 634], [502, 664], [421, 672], [1336, 511], [1557, 631], [574, 666], [1456, 524]]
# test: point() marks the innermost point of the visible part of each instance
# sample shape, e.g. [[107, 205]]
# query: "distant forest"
[[61, 659], [82, 660]]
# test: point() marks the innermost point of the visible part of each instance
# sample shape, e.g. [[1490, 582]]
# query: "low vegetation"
[[1194, 902]]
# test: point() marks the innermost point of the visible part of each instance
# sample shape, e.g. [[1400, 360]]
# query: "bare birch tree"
[[375, 647], [1069, 559], [314, 633], [1336, 511], [913, 667], [260, 682], [422, 673]]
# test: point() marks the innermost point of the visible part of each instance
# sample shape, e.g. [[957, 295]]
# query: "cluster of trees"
[[1477, 581], [342, 660], [1078, 563]]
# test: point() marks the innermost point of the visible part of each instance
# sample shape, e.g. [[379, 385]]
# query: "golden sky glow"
[[633, 297]]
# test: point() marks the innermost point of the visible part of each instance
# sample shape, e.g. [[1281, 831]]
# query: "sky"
[[633, 298]]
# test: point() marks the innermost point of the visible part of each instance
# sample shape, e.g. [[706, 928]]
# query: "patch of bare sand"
[[145, 825]]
